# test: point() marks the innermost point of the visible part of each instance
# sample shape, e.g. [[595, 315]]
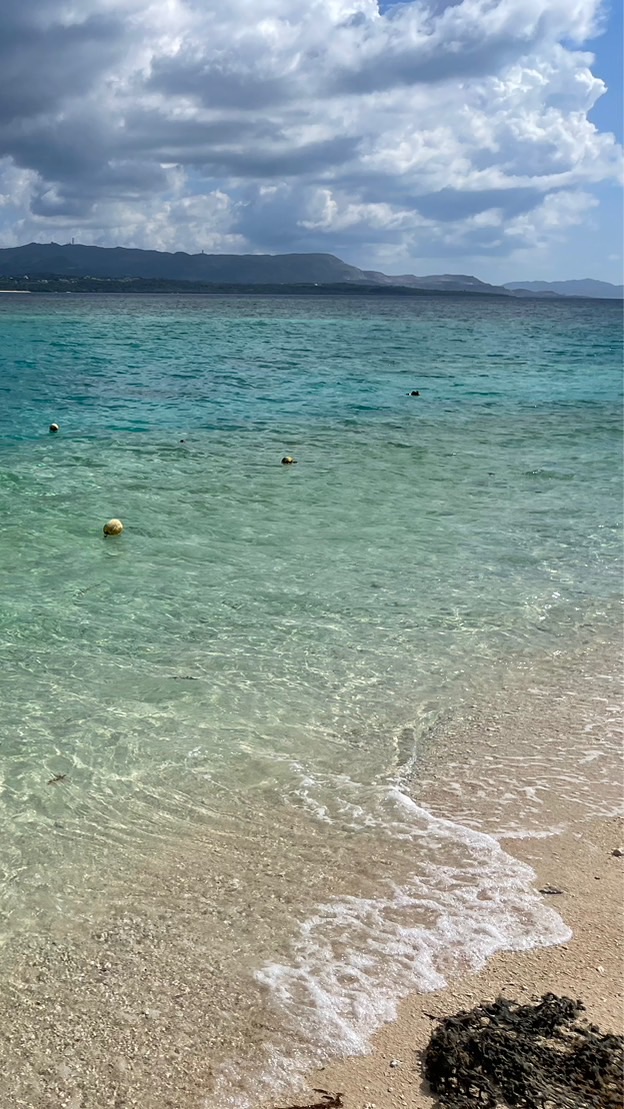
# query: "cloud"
[[427, 126], [48, 59]]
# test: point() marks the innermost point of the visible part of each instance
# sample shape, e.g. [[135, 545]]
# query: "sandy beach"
[[581, 863]]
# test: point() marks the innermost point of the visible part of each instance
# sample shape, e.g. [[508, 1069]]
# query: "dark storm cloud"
[[284, 162], [43, 60], [48, 203], [453, 204], [152, 131], [49, 64], [247, 146], [194, 142], [81, 157], [429, 67], [218, 85], [55, 148]]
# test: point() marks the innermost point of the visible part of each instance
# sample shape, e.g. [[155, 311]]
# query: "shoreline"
[[139, 1000], [590, 966]]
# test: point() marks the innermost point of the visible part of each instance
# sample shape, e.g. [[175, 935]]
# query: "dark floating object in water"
[[54, 427], [183, 678], [414, 393], [617, 853], [288, 461], [328, 1101], [552, 890], [57, 778], [535, 1056]]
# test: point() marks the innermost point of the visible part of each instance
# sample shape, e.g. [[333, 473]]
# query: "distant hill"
[[441, 282], [50, 263], [73, 261], [37, 259], [119, 263], [586, 287]]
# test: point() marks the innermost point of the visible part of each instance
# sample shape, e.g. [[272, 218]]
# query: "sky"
[[425, 136]]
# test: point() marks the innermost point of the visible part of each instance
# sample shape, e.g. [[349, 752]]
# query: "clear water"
[[279, 644]]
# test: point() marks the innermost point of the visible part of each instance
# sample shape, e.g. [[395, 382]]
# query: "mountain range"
[[41, 261], [586, 287]]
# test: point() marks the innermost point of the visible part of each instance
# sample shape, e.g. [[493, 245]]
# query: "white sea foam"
[[354, 959]]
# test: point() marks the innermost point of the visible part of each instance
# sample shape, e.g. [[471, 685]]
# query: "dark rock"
[[503, 1054]]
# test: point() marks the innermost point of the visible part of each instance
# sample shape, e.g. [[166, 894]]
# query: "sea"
[[263, 753]]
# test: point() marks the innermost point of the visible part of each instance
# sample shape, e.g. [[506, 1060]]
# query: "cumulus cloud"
[[422, 129]]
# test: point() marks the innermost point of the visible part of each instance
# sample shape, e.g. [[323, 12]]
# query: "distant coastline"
[[55, 285], [73, 267]]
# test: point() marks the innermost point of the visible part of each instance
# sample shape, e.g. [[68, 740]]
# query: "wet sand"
[[580, 862]]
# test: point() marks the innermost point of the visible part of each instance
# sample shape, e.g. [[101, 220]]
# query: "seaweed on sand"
[[537, 1056], [328, 1101]]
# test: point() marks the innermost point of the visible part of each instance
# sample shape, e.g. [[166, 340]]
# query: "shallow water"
[[251, 684]]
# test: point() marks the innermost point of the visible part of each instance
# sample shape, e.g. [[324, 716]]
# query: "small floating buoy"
[[54, 427], [113, 527], [288, 461]]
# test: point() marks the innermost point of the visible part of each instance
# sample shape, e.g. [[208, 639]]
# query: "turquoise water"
[[268, 638]]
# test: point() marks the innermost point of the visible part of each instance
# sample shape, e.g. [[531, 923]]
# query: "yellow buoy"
[[288, 461], [113, 527]]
